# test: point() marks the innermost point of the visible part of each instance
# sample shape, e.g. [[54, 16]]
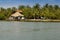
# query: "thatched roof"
[[19, 10], [17, 14]]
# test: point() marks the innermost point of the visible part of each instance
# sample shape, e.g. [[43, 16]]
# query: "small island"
[[35, 13]]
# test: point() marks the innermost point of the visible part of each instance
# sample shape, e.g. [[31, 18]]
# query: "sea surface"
[[14, 30]]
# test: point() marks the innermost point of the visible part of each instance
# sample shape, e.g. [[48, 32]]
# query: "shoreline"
[[35, 20], [41, 20]]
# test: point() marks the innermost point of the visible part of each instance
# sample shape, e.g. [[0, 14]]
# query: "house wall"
[[16, 18]]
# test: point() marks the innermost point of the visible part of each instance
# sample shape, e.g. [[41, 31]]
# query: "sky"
[[16, 3]]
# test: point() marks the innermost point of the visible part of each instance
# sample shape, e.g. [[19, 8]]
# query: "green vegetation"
[[35, 12]]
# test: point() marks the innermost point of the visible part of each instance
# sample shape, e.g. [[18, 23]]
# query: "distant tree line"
[[35, 12]]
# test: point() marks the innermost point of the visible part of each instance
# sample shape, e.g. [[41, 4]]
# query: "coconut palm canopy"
[[17, 14]]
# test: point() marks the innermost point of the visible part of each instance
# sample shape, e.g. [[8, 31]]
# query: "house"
[[16, 16]]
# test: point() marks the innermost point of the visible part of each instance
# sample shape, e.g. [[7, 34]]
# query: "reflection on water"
[[36, 29], [29, 31]]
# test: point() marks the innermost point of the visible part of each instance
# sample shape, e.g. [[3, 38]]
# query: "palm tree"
[[36, 11], [14, 8]]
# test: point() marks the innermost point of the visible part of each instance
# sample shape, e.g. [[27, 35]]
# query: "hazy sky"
[[11, 3]]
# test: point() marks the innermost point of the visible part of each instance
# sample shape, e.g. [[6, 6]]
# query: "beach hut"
[[16, 16]]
